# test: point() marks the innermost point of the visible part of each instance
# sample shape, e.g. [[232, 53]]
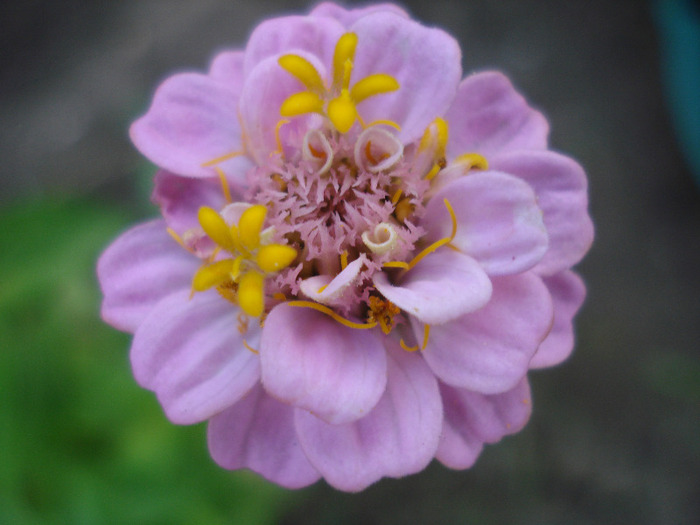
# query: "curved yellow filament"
[[473, 160], [177, 238], [248, 347], [437, 244], [330, 313], [426, 334], [219, 160], [224, 185], [406, 347]]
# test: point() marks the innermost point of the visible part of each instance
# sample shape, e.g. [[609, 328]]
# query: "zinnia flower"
[[361, 253]]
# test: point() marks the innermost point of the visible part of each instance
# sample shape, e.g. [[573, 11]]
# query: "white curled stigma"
[[383, 239], [376, 150], [316, 148]]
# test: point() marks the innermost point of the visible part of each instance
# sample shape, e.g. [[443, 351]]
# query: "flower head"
[[361, 254]]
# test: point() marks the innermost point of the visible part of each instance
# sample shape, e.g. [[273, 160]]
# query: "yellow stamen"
[[344, 52], [303, 70], [219, 160], [426, 334], [403, 209], [395, 198], [406, 347], [301, 103], [396, 264], [224, 185], [344, 260], [383, 312], [275, 257], [278, 126], [390, 123], [473, 160], [242, 323], [433, 171], [437, 244], [324, 309], [211, 275], [250, 293], [373, 85], [342, 111], [250, 225], [435, 136], [177, 238], [249, 347], [216, 228], [320, 290]]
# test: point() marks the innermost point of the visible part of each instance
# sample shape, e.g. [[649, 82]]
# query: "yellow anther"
[[301, 103], [212, 275], [216, 228], [342, 112], [250, 293], [473, 160], [344, 260], [373, 85], [330, 313], [304, 71], [250, 224], [396, 196], [275, 257], [344, 53]]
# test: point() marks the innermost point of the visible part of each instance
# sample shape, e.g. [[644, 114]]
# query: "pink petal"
[[349, 16], [290, 34], [443, 286], [489, 117], [425, 61], [472, 419], [227, 68], [568, 292], [180, 198], [191, 354], [562, 193], [399, 437], [266, 88], [193, 119], [312, 362], [141, 267], [489, 351], [498, 221], [258, 433], [332, 288]]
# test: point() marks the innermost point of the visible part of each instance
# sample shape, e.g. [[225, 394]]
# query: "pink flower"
[[361, 253]]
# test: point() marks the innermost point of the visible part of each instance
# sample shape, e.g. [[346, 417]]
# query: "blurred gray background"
[[614, 437]]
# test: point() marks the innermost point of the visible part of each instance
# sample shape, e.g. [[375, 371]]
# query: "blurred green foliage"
[[80, 442]]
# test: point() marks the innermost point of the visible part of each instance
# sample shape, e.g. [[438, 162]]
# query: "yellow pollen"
[[382, 312], [473, 160], [324, 309]]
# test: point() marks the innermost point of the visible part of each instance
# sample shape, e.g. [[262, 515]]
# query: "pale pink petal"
[[568, 292], [562, 193], [332, 288], [258, 433], [179, 198], [349, 16], [312, 362], [489, 351], [190, 353], [498, 221], [443, 286], [227, 68], [426, 62], [399, 437], [489, 117], [266, 88], [193, 119], [141, 267], [290, 34], [472, 419]]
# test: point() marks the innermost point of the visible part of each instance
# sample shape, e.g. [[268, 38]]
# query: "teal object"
[[678, 23]]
